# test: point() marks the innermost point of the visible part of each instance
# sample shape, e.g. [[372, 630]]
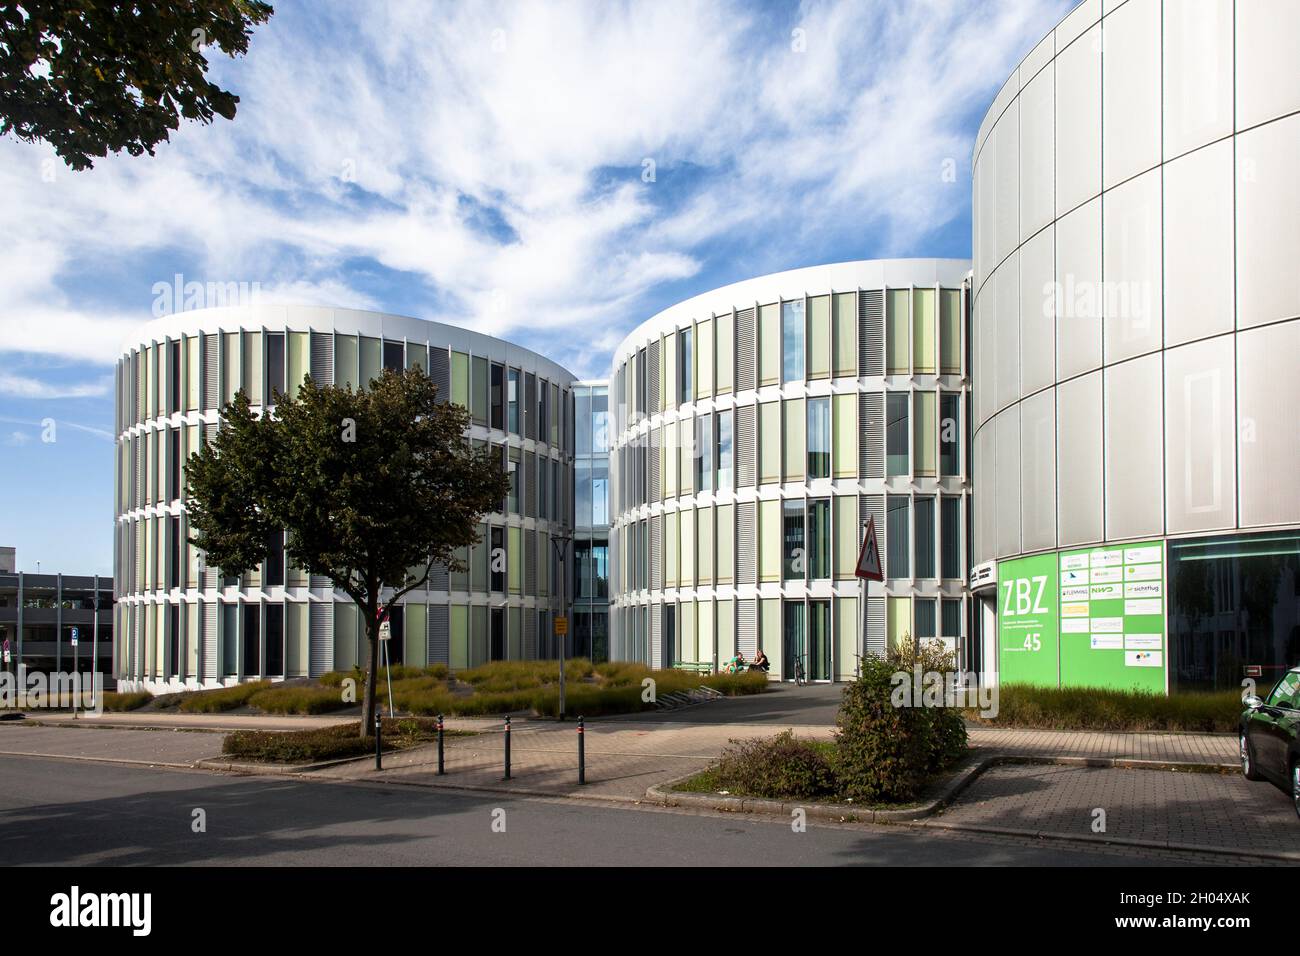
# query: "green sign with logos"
[[1028, 636], [1113, 617]]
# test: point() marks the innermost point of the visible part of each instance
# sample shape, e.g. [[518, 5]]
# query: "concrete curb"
[[168, 764]]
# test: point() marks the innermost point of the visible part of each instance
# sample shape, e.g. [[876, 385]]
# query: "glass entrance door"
[[794, 649], [819, 640]]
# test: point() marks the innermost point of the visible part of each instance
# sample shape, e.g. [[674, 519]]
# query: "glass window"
[[925, 618], [369, 360], [599, 493], [769, 534], [896, 458], [583, 399], [950, 531], [949, 433], [819, 438], [795, 446], [394, 356], [951, 622], [274, 364], [792, 340], [769, 442], [704, 358], [769, 345], [793, 639], [819, 337], [795, 560], [898, 538], [897, 351], [703, 453], [726, 457], [496, 558], [924, 526], [923, 329], [819, 538], [950, 331], [512, 415], [924, 443], [724, 331], [252, 367], [498, 397], [460, 379], [726, 543], [479, 386], [600, 421], [844, 347], [583, 494], [685, 366]]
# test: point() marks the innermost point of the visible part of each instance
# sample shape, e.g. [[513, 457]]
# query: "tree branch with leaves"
[[373, 489]]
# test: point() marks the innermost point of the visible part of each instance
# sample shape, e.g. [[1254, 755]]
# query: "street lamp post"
[[561, 545]]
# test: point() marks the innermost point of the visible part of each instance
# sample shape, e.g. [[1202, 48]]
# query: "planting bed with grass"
[[1075, 708], [501, 687], [329, 743]]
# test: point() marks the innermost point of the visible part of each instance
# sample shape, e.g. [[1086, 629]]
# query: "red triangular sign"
[[869, 566]]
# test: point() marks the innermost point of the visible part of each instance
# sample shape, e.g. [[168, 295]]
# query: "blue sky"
[[487, 165]]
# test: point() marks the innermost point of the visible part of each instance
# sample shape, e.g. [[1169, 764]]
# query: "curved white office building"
[[179, 624], [1135, 348], [756, 427]]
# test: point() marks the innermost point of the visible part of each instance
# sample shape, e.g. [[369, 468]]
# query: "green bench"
[[699, 667]]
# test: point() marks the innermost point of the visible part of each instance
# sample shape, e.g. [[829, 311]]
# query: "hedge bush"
[[886, 753], [121, 702], [299, 700], [327, 743], [778, 767], [1088, 708], [225, 698]]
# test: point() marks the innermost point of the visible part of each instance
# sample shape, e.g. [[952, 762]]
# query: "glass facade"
[[590, 636]]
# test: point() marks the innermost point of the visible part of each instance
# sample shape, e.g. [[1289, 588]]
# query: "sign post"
[[385, 635], [868, 568], [76, 673]]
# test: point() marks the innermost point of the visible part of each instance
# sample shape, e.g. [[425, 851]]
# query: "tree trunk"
[[368, 711]]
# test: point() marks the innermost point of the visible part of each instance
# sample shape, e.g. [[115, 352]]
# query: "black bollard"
[[379, 736], [582, 752], [507, 776], [440, 770]]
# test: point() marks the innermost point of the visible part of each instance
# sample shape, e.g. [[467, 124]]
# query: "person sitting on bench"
[[761, 663]]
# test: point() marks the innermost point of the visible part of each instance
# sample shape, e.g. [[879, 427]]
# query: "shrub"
[[119, 702], [737, 685], [885, 753], [326, 743], [779, 767], [222, 699]]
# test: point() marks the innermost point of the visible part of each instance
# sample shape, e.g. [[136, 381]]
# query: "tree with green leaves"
[[94, 76], [372, 488]]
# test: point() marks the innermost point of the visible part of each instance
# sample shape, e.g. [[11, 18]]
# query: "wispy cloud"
[[526, 168], [21, 386]]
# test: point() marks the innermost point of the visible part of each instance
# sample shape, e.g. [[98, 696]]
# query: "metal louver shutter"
[[211, 373], [871, 332], [439, 579], [875, 636], [745, 349], [747, 628], [656, 552], [320, 581], [208, 667], [530, 563], [530, 485], [652, 370], [439, 635], [320, 632], [871, 435], [746, 542], [656, 436], [322, 360], [656, 637], [440, 373], [745, 447]]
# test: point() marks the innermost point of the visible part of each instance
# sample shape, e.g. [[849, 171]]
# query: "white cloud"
[[486, 159], [22, 386]]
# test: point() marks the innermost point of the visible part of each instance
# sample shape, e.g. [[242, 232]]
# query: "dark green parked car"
[[1270, 736]]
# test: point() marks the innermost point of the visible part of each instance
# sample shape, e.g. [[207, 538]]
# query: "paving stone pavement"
[[1183, 747], [1224, 811], [159, 747]]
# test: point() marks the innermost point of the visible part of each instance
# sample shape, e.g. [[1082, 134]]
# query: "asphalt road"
[[56, 812]]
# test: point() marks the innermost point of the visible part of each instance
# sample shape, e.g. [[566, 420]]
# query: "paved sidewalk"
[[1171, 809], [1180, 748], [154, 747]]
